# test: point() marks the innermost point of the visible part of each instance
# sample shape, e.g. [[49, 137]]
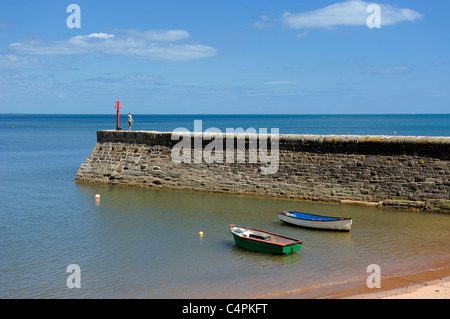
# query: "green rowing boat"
[[263, 241]]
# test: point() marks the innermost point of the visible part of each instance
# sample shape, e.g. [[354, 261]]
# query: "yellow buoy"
[[200, 234]]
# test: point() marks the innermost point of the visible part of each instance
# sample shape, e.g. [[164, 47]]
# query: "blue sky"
[[225, 57]]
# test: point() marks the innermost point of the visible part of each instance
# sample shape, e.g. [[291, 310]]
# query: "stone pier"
[[411, 173]]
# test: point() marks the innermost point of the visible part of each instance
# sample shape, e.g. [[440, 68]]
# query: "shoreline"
[[436, 289], [427, 284], [430, 284]]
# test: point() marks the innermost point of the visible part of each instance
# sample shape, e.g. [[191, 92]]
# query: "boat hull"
[[327, 223], [266, 246]]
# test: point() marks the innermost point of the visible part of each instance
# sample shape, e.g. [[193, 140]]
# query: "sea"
[[58, 242]]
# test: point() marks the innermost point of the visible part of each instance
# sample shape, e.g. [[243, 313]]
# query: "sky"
[[225, 56]]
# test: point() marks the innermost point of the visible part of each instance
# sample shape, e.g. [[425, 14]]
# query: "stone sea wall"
[[410, 173]]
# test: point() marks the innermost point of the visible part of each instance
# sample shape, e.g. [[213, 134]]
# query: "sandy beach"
[[432, 284], [436, 289]]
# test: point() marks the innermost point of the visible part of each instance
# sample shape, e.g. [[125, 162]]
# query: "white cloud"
[[349, 13], [261, 25], [13, 61], [264, 23], [398, 69], [150, 44], [96, 35], [157, 35]]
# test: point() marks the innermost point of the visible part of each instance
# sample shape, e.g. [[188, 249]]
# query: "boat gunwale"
[[294, 241], [315, 220]]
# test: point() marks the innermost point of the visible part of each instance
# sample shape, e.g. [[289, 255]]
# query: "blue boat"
[[316, 221]]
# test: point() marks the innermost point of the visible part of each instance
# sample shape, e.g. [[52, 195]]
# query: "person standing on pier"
[[130, 121]]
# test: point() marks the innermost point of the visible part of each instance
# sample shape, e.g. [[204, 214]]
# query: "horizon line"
[[225, 114]]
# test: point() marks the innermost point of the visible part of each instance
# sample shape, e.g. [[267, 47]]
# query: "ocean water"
[[142, 243]]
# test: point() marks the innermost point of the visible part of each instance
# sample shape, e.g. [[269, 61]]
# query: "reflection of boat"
[[316, 221], [263, 241]]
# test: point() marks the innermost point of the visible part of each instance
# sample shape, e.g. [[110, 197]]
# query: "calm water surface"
[[139, 243]]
